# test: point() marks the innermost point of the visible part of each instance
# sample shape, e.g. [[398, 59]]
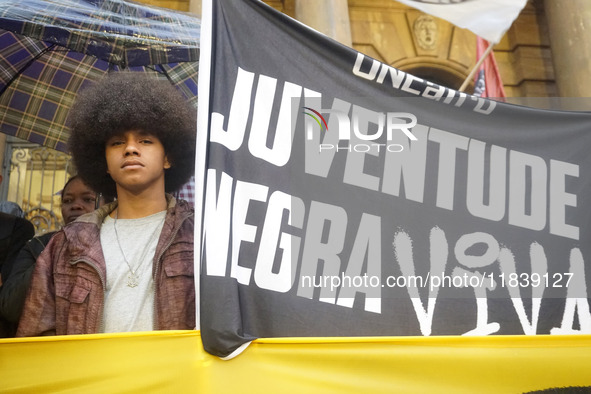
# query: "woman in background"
[[77, 199]]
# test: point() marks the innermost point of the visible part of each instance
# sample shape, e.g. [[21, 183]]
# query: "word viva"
[[384, 215], [272, 253]]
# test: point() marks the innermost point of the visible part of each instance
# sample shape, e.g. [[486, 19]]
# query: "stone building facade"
[[544, 54]]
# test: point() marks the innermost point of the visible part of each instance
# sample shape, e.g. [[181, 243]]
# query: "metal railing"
[[35, 178]]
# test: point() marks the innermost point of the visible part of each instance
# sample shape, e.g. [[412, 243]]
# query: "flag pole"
[[476, 67]]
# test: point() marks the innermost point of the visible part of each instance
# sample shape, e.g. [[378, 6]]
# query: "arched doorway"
[[437, 72]]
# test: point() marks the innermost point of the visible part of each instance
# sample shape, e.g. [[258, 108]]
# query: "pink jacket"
[[67, 290]]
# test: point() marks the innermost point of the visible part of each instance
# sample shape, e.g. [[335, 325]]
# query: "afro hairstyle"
[[127, 101]]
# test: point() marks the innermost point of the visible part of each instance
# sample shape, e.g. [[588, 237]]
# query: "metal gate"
[[33, 178]]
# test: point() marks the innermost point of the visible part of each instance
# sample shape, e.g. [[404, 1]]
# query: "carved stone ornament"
[[425, 31]]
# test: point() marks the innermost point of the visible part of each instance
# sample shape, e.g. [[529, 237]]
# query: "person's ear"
[[166, 163]]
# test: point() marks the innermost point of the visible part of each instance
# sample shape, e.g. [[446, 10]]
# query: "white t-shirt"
[[130, 308]]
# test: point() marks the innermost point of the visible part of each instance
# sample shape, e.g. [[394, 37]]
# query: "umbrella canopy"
[[50, 49]]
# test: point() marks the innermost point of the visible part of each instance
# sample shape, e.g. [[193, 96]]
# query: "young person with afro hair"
[[127, 266]]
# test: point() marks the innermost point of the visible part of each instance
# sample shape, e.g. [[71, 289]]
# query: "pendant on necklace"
[[132, 280]]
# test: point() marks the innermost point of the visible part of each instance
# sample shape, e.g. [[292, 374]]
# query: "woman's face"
[[77, 199]]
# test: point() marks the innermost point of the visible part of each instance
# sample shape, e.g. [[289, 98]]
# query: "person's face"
[[77, 199], [136, 161]]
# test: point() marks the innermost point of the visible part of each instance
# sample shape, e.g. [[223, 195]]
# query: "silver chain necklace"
[[132, 279]]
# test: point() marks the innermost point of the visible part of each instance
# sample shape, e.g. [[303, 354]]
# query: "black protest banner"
[[343, 197]]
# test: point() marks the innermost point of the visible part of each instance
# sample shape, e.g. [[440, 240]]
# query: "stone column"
[[195, 7], [569, 25], [330, 17]]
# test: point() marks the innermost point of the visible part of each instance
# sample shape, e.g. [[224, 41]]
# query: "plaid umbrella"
[[50, 49]]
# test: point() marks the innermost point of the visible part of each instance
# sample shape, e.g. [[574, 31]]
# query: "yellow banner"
[[175, 362]]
